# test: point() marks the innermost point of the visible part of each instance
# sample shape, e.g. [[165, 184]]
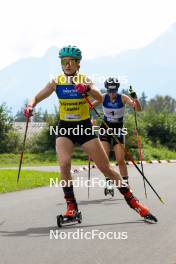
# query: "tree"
[[45, 116], [5, 126], [124, 91], [19, 117], [38, 115], [44, 141], [143, 100], [160, 128], [162, 104]]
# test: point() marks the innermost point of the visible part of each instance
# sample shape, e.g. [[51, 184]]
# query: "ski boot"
[[143, 211], [72, 215], [109, 188]]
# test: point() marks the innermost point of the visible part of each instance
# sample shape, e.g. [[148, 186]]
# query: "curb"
[[93, 166]]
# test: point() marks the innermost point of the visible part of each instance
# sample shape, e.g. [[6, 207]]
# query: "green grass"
[[79, 158], [159, 153], [28, 180], [29, 159]]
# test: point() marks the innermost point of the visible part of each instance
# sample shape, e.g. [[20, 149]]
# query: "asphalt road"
[[28, 218]]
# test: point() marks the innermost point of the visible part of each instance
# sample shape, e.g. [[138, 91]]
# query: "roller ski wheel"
[[109, 188], [109, 191], [150, 218], [105, 191], [112, 192], [59, 220], [77, 218]]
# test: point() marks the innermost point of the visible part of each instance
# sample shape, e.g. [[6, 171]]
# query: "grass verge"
[[49, 159], [46, 159], [28, 180]]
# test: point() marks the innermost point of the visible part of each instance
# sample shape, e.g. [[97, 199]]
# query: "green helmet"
[[70, 51]]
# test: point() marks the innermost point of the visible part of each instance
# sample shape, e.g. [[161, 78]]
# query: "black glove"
[[132, 93]]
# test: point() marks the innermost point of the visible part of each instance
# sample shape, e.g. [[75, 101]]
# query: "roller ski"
[[72, 215], [143, 211], [150, 218], [109, 188]]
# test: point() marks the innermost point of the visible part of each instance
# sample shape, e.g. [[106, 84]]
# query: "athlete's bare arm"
[[96, 102], [44, 93], [133, 103], [94, 92]]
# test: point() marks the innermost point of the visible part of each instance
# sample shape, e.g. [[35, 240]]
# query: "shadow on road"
[[106, 201], [2, 223], [45, 231]]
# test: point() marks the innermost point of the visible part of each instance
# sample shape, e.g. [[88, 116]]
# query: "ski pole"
[[124, 149], [89, 177], [23, 147], [139, 150]]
